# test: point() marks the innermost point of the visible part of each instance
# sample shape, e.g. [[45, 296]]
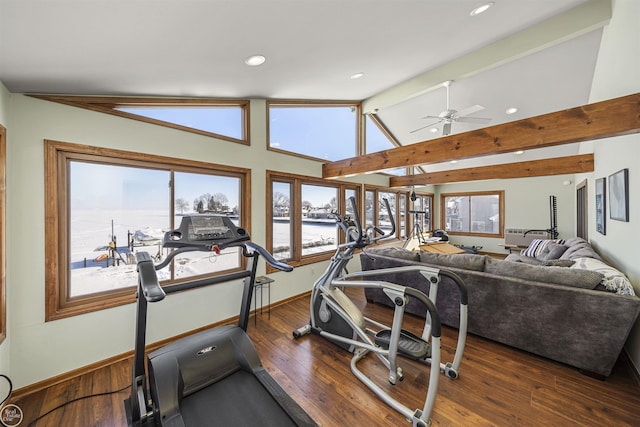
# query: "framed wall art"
[[601, 205], [619, 195]]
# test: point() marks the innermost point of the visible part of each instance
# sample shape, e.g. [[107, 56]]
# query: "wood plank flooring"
[[498, 385]]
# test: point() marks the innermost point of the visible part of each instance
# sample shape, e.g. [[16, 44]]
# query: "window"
[[3, 282], [325, 131], [478, 214], [103, 206], [379, 138], [221, 119], [421, 213], [301, 229], [376, 211]]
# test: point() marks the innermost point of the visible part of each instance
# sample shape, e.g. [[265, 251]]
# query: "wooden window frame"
[[109, 105], [499, 193], [316, 104], [297, 181], [58, 303], [408, 220]]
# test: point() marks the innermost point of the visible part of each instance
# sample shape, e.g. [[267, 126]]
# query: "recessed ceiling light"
[[454, 161], [356, 76], [255, 60], [519, 152], [480, 9], [433, 130], [511, 110]]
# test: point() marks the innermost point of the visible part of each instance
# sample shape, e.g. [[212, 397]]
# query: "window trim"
[[297, 181], [109, 105], [57, 302], [443, 219], [3, 234], [314, 104]]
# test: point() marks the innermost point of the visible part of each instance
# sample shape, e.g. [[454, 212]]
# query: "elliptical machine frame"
[[335, 317]]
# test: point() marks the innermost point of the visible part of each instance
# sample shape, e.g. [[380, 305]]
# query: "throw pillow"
[[552, 251], [539, 273], [464, 261], [539, 246], [536, 261], [613, 280], [395, 252]]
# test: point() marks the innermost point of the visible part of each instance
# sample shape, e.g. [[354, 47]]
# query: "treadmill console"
[[205, 230]]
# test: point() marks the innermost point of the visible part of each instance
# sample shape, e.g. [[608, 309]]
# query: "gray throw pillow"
[[552, 251], [536, 261], [464, 261], [556, 275]]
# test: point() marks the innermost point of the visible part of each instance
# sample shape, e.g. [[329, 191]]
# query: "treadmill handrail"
[[268, 258], [148, 278]]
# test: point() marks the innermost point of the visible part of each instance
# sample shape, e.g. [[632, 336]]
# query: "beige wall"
[[5, 345]]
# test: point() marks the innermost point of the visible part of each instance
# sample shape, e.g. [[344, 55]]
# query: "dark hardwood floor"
[[498, 385]]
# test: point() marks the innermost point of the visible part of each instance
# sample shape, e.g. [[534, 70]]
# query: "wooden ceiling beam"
[[619, 116], [547, 167]]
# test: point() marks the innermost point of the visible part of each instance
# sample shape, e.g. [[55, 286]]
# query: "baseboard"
[[626, 358], [49, 382]]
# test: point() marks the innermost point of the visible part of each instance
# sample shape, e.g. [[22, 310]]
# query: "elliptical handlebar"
[[268, 258], [356, 236]]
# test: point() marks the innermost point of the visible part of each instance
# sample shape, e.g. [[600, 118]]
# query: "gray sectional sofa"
[[561, 303]]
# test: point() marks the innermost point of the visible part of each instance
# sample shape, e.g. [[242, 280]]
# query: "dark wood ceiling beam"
[[619, 116], [547, 167]]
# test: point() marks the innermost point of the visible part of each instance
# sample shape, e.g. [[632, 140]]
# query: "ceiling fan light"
[[480, 9]]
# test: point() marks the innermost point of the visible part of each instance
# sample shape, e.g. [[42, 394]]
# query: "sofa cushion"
[[536, 261], [464, 261], [578, 248], [552, 251], [613, 280], [587, 279], [396, 252]]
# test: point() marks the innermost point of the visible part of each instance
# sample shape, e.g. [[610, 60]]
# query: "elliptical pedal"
[[410, 345]]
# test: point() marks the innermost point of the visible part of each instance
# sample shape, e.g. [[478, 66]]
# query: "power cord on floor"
[[75, 400]]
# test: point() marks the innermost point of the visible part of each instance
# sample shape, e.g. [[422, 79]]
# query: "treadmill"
[[214, 377]]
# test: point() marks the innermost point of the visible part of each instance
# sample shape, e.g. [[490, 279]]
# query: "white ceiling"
[[406, 48]]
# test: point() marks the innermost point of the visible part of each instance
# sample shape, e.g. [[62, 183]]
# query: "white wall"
[[5, 345], [617, 74]]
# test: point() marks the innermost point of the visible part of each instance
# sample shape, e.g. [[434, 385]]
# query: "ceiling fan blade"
[[446, 129], [478, 120], [430, 117], [424, 127], [469, 110]]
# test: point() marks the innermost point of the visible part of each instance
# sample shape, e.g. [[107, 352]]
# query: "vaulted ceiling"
[[536, 55]]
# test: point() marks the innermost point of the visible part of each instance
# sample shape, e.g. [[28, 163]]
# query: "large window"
[[103, 206], [301, 228], [221, 119], [421, 213], [478, 214], [325, 131]]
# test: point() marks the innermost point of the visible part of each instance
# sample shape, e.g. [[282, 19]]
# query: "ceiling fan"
[[448, 116]]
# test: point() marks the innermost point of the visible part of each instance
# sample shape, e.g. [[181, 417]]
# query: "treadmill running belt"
[[239, 399]]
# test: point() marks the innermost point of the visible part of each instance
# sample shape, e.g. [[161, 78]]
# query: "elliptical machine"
[[213, 377], [335, 317]]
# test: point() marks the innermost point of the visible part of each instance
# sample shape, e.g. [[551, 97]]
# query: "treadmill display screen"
[[208, 228]]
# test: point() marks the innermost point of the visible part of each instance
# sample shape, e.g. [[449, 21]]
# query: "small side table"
[[260, 283]]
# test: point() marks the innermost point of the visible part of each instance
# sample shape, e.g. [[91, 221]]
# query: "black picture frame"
[[619, 195], [601, 205]]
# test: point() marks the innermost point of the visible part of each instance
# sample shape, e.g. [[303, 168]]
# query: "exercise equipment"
[[214, 377], [335, 317]]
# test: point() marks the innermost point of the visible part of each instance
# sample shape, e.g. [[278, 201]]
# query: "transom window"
[[104, 206], [220, 119], [479, 214], [325, 131]]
